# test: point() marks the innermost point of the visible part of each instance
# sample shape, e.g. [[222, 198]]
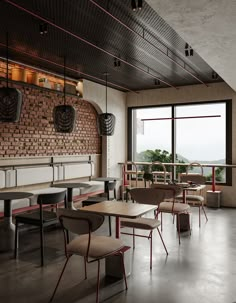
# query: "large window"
[[199, 132]]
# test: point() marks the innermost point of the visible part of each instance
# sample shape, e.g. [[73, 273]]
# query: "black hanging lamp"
[[106, 121], [10, 98], [64, 115]]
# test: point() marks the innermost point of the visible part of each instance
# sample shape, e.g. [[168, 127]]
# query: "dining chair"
[[170, 205], [92, 247], [42, 218], [145, 196], [110, 187], [130, 174], [159, 173], [196, 200]]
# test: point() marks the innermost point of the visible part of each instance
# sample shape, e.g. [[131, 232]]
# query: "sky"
[[196, 138]]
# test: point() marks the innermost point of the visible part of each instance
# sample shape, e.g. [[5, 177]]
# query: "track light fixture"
[[116, 62], [140, 4], [133, 5], [188, 50], [157, 82], [214, 75], [43, 28]]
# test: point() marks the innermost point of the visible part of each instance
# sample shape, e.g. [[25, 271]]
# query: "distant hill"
[[207, 170]]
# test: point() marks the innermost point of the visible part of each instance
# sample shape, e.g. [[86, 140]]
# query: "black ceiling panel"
[[91, 34]]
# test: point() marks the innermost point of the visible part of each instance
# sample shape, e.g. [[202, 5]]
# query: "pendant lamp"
[[106, 121], [64, 115], [10, 98]]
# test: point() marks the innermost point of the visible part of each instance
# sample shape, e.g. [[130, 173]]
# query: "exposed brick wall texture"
[[34, 134]]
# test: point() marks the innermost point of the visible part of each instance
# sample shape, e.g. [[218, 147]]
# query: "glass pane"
[[202, 139], [152, 139]]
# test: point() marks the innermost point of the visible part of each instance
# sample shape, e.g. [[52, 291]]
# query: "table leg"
[[117, 227], [184, 196], [7, 228], [70, 204], [213, 179]]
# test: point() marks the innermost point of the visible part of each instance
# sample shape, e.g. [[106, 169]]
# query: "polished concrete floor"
[[201, 270]]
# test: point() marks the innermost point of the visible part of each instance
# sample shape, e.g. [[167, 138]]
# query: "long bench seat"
[[79, 194]]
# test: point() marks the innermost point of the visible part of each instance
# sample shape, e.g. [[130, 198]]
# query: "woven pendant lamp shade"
[[106, 124], [64, 118], [64, 115], [106, 121], [10, 104], [10, 99]]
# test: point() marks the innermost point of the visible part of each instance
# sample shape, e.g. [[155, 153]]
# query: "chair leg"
[[85, 268], [98, 282], [16, 240], [161, 221], [42, 245], [123, 265], [178, 219], [63, 269], [162, 240], [133, 238], [204, 212], [199, 215], [110, 233], [151, 250]]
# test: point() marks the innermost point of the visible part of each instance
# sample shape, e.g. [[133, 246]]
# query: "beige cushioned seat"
[[99, 246], [178, 207], [141, 223]]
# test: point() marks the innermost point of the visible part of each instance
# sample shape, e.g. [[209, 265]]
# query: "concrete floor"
[[201, 270]]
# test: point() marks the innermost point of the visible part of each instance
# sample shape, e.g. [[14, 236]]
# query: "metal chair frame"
[[40, 218], [87, 224]]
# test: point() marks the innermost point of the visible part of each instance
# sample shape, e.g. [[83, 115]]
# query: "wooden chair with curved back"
[[145, 196], [92, 247]]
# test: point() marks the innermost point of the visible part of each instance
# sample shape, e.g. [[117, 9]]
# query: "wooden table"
[[7, 228], [70, 186], [190, 188], [120, 209]]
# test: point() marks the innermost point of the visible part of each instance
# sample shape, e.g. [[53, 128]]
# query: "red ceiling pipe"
[[161, 51], [85, 41]]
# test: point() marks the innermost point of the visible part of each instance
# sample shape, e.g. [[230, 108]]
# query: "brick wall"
[[34, 134]]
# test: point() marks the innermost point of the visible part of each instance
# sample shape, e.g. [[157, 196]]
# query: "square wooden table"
[[120, 209]]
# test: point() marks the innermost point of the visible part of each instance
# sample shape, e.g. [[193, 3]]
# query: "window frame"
[[228, 129]]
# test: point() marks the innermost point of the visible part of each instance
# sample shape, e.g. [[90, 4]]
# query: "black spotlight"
[[43, 28], [133, 5], [214, 75], [140, 4], [157, 82], [188, 50]]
